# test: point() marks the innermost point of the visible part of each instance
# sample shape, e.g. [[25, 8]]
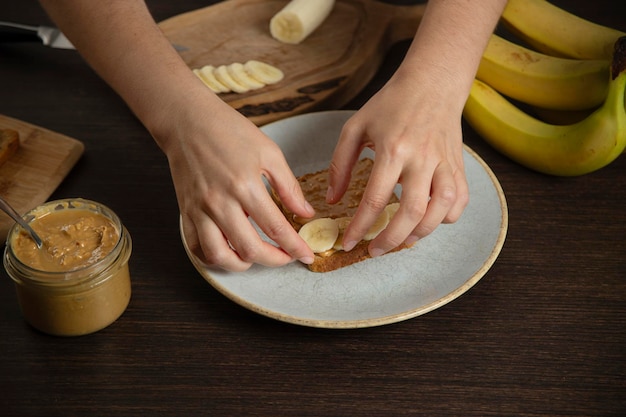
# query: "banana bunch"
[[553, 31], [575, 68]]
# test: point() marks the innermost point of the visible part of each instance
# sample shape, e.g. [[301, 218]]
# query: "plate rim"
[[204, 270]]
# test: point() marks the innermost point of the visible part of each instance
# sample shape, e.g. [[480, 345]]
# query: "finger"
[[413, 206], [209, 244], [288, 189], [274, 224], [345, 155], [246, 243], [191, 238], [442, 199], [378, 191], [245, 239], [462, 197]]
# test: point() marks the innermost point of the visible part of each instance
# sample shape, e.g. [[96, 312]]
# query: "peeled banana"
[[557, 32], [542, 80], [237, 77], [563, 150], [298, 19]]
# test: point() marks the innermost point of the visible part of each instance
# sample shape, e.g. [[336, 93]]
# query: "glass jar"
[[80, 299]]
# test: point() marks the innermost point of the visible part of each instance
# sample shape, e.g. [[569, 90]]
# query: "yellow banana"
[[557, 32], [568, 150], [542, 80], [561, 117]]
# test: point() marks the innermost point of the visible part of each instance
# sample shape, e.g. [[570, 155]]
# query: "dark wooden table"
[[542, 334]]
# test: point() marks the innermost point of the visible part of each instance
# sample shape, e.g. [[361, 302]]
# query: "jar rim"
[[74, 276]]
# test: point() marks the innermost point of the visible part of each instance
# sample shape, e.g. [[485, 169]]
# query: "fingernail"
[[306, 260], [330, 193], [411, 240], [308, 207], [348, 246], [374, 252]]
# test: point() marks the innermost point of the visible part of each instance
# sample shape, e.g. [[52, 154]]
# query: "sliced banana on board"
[[237, 77], [238, 72], [208, 78], [223, 76], [263, 72]]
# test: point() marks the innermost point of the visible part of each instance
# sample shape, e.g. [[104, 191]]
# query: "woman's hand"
[[414, 125], [217, 165], [418, 144]]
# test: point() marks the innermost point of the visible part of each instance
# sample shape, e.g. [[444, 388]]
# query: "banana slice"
[[237, 71], [379, 225], [320, 234], [298, 19], [208, 78], [391, 209], [222, 75], [342, 223], [262, 72]]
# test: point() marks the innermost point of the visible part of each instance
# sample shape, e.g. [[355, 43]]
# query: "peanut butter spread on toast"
[[315, 185]]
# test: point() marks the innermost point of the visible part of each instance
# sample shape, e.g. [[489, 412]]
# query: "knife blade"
[[49, 36]]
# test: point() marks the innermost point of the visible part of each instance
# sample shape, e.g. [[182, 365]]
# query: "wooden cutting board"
[[323, 72], [30, 176]]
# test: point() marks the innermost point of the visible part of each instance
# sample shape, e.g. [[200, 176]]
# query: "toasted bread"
[[314, 186], [9, 144]]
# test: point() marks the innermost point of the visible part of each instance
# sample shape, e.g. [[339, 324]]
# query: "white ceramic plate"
[[394, 287]]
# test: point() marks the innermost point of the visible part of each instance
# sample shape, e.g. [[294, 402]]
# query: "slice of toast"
[[314, 186], [9, 144]]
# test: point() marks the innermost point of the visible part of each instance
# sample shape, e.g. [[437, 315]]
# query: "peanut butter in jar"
[[78, 282]]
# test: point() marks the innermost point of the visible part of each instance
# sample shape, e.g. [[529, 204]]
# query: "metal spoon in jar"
[[15, 216]]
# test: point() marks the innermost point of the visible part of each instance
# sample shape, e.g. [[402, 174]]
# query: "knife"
[[49, 36]]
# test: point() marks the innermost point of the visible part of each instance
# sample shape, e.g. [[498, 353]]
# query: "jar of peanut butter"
[[78, 282]]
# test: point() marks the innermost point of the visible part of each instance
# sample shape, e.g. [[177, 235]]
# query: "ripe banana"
[[298, 19], [238, 77], [542, 80], [557, 32], [561, 117], [568, 150]]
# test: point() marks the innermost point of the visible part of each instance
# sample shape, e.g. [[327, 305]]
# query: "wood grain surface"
[[41, 163], [326, 70], [541, 335]]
